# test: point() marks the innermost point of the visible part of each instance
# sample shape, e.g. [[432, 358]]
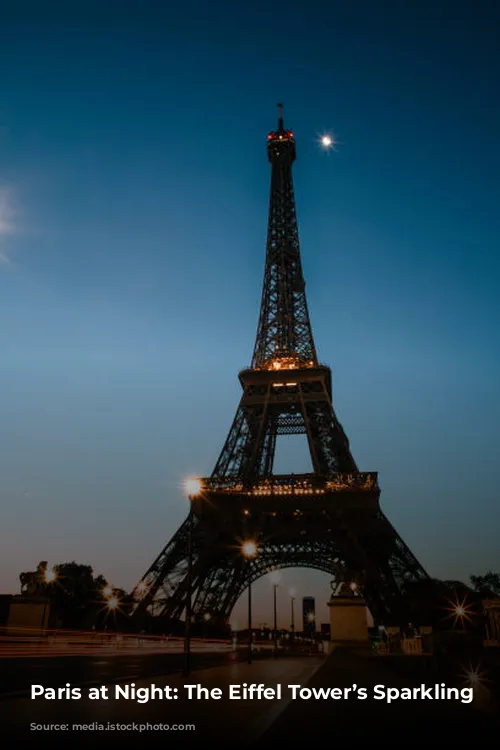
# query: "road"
[[189, 723], [283, 721], [373, 722], [103, 665]]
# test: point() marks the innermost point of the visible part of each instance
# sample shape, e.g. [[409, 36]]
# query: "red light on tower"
[[290, 134]]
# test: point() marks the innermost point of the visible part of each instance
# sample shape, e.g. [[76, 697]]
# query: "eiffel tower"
[[329, 519]]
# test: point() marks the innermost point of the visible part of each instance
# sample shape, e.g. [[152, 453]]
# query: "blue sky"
[[133, 206]]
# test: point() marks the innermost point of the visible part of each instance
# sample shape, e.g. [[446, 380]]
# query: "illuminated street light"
[[50, 576], [475, 678], [193, 486], [275, 588], [353, 586], [113, 603], [249, 550], [292, 602], [460, 611], [107, 592]]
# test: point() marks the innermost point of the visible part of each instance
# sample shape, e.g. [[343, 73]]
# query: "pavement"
[[370, 720], [227, 722], [262, 723], [18, 674]]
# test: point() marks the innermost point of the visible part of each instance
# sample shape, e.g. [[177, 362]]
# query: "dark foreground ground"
[[17, 675], [404, 722], [275, 724]]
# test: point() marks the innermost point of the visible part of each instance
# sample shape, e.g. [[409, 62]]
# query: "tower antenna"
[[280, 118]]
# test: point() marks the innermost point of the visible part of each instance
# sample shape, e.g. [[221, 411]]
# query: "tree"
[[76, 595], [488, 585], [458, 588]]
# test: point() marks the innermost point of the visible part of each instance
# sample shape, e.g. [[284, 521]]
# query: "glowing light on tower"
[[249, 549]]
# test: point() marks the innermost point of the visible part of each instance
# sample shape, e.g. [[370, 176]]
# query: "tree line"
[[81, 599]]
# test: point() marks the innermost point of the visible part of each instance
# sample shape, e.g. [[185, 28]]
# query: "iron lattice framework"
[[330, 519], [284, 327]]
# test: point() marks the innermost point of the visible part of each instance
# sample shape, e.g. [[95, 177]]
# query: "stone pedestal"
[[28, 613], [491, 609], [348, 622]]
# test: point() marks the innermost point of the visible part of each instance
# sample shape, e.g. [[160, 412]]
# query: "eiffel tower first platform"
[[329, 519]]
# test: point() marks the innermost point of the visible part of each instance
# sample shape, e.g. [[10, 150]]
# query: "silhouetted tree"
[[76, 595], [488, 585]]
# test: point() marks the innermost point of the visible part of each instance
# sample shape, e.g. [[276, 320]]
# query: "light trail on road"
[[62, 643]]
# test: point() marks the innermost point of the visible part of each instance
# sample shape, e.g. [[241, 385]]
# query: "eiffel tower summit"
[[244, 520]]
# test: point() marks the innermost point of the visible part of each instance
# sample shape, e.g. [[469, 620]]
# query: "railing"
[[295, 484], [285, 363]]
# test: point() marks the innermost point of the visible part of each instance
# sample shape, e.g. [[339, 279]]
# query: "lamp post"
[[275, 587], [193, 488], [292, 602], [311, 618], [249, 550]]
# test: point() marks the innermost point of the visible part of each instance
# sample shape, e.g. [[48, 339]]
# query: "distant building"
[[309, 615]]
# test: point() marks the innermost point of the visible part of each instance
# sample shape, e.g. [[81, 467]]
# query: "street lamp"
[[249, 550], [193, 487], [292, 602], [50, 575], [311, 619], [275, 587], [275, 576]]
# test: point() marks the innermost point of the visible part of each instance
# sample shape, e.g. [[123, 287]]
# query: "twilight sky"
[[133, 207]]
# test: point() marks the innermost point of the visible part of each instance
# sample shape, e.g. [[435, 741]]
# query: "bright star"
[[328, 141]]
